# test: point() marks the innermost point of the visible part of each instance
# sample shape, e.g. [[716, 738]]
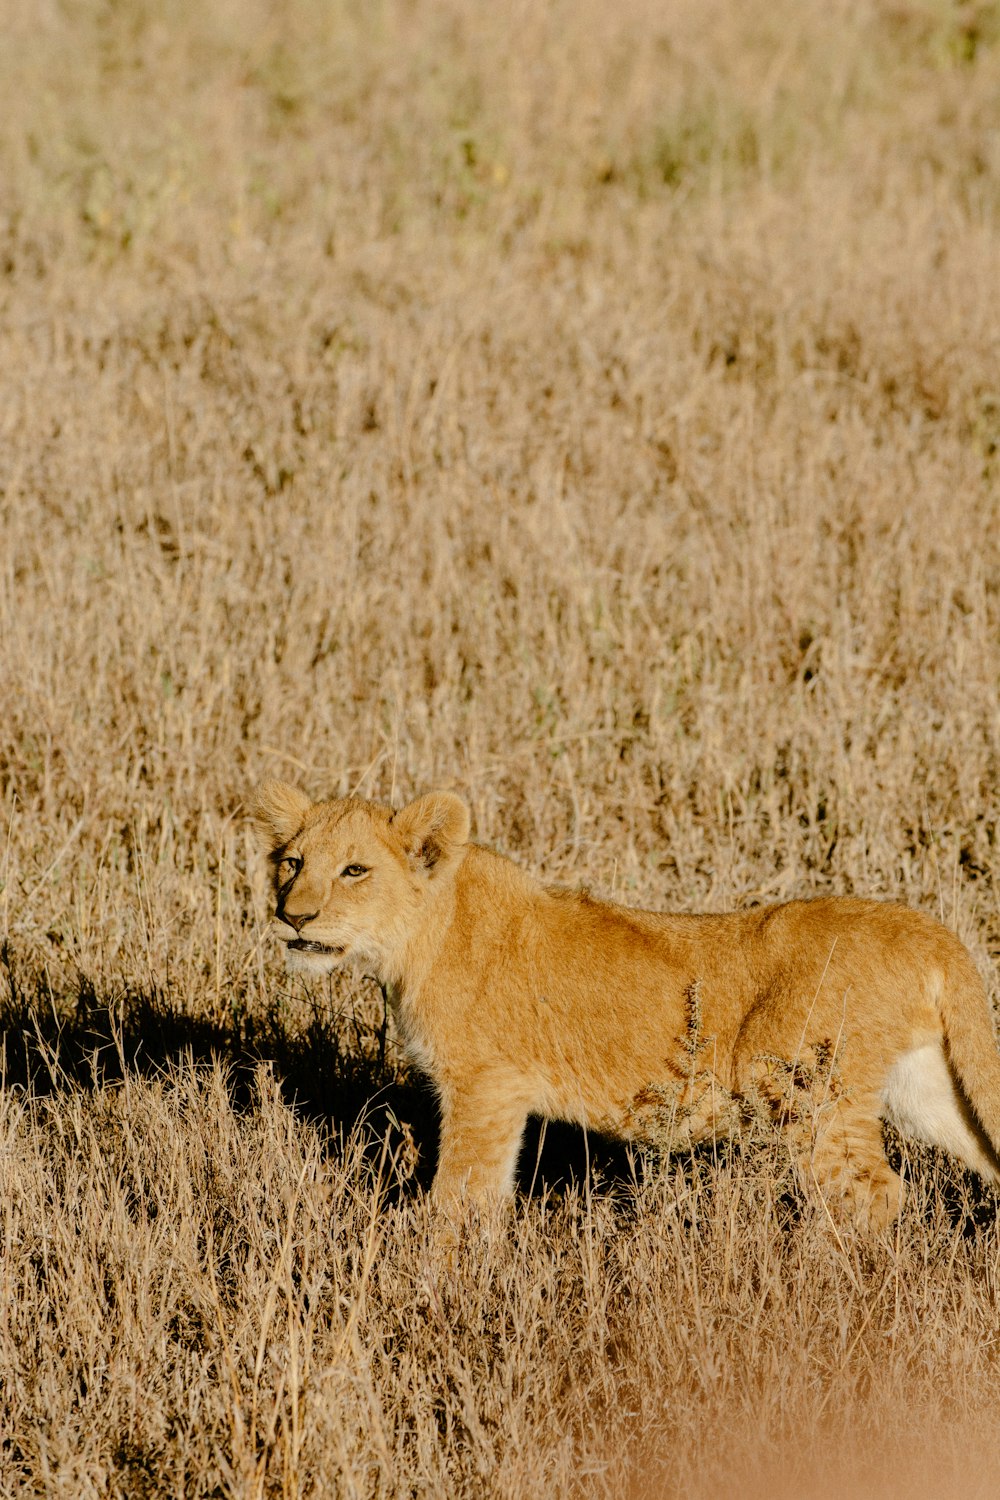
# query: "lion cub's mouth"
[[305, 945]]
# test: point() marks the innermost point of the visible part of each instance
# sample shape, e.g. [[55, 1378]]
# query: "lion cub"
[[517, 999]]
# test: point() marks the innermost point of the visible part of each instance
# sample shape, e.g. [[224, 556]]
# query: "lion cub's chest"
[[418, 1044]]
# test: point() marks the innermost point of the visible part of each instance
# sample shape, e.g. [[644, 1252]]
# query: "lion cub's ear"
[[434, 829], [276, 811]]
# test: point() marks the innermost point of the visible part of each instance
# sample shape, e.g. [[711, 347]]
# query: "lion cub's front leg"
[[481, 1128]]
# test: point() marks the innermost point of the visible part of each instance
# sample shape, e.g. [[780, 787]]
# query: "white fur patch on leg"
[[923, 1100]]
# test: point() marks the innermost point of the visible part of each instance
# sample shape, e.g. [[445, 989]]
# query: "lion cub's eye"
[[290, 865], [354, 872]]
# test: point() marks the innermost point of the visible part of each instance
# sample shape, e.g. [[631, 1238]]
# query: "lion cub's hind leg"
[[844, 1166], [831, 1121]]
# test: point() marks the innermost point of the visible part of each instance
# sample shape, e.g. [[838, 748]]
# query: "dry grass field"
[[594, 409]]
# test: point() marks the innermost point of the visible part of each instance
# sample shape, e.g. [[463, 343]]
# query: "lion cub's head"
[[351, 877]]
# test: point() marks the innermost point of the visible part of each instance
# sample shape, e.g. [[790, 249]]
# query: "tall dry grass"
[[593, 409]]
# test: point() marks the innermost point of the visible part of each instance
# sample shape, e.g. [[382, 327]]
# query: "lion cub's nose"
[[296, 919]]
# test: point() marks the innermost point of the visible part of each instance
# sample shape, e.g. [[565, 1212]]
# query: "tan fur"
[[521, 999]]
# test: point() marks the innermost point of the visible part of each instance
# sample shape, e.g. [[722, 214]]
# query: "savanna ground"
[[593, 409]]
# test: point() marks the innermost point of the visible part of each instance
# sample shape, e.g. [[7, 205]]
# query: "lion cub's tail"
[[971, 1045]]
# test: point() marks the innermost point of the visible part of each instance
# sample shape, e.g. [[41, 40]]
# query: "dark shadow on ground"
[[556, 1157], [93, 1040], [967, 1201]]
